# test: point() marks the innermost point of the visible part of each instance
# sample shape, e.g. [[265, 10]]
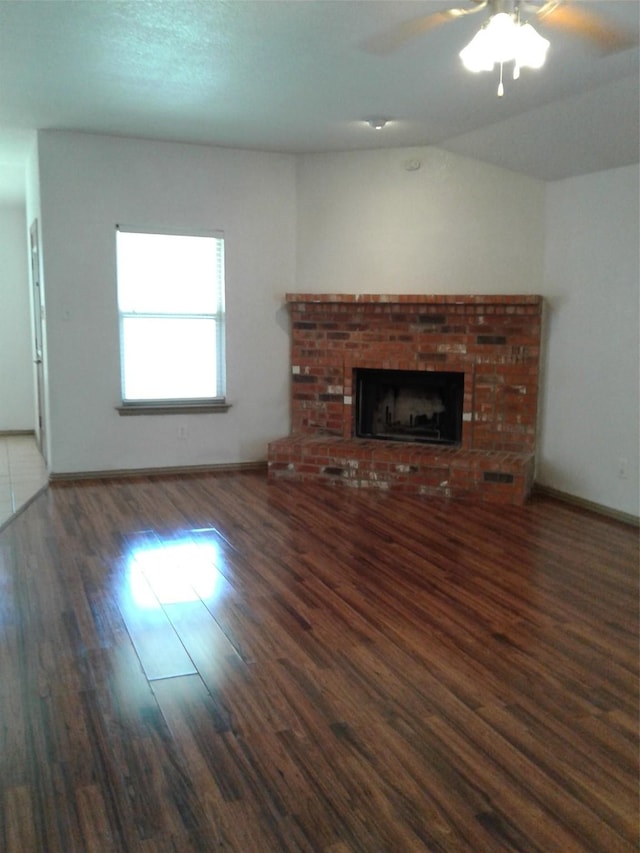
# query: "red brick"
[[374, 330]]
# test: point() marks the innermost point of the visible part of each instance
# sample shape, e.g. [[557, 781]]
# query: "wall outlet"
[[623, 467], [183, 431]]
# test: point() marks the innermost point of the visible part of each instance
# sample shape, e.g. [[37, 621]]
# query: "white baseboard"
[[154, 472], [626, 517]]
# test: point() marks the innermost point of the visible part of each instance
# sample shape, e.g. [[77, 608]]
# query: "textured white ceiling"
[[294, 76]]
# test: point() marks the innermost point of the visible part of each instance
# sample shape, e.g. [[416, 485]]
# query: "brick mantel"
[[413, 299], [493, 339]]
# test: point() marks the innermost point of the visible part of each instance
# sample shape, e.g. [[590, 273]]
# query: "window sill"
[[178, 408]]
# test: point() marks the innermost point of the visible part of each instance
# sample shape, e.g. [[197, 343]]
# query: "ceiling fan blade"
[[395, 38], [578, 21]]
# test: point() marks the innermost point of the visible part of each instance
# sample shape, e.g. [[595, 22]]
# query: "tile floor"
[[22, 473]]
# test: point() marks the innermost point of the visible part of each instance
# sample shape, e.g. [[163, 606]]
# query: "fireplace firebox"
[[409, 405]]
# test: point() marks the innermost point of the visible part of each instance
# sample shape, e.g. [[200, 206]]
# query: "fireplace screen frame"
[[378, 398]]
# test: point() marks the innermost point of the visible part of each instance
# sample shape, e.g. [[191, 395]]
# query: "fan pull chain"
[[500, 86]]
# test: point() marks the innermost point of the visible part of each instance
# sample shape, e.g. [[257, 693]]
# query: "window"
[[172, 320]]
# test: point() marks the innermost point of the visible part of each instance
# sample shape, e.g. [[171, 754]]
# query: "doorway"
[[41, 424]]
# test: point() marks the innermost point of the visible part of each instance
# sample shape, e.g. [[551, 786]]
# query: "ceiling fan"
[[507, 33]]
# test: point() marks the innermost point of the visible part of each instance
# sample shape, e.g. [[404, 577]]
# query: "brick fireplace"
[[492, 341]]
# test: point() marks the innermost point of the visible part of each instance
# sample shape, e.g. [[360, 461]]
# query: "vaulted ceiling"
[[304, 75]]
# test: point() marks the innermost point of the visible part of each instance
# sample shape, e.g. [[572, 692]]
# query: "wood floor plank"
[[159, 648], [210, 662], [18, 820]]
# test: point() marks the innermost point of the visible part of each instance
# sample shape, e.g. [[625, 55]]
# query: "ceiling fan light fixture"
[[504, 39], [476, 55], [531, 49]]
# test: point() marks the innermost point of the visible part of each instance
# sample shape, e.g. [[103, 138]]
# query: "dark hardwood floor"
[[209, 662]]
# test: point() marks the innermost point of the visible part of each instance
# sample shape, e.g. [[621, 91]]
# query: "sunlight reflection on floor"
[[174, 572]]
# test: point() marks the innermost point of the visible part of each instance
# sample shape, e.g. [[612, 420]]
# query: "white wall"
[[455, 225], [87, 185], [590, 411], [17, 411], [344, 222], [367, 224]]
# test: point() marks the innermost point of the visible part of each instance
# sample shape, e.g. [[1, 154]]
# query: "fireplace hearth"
[[370, 407]]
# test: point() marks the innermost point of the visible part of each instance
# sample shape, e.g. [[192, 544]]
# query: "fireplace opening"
[[409, 405]]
